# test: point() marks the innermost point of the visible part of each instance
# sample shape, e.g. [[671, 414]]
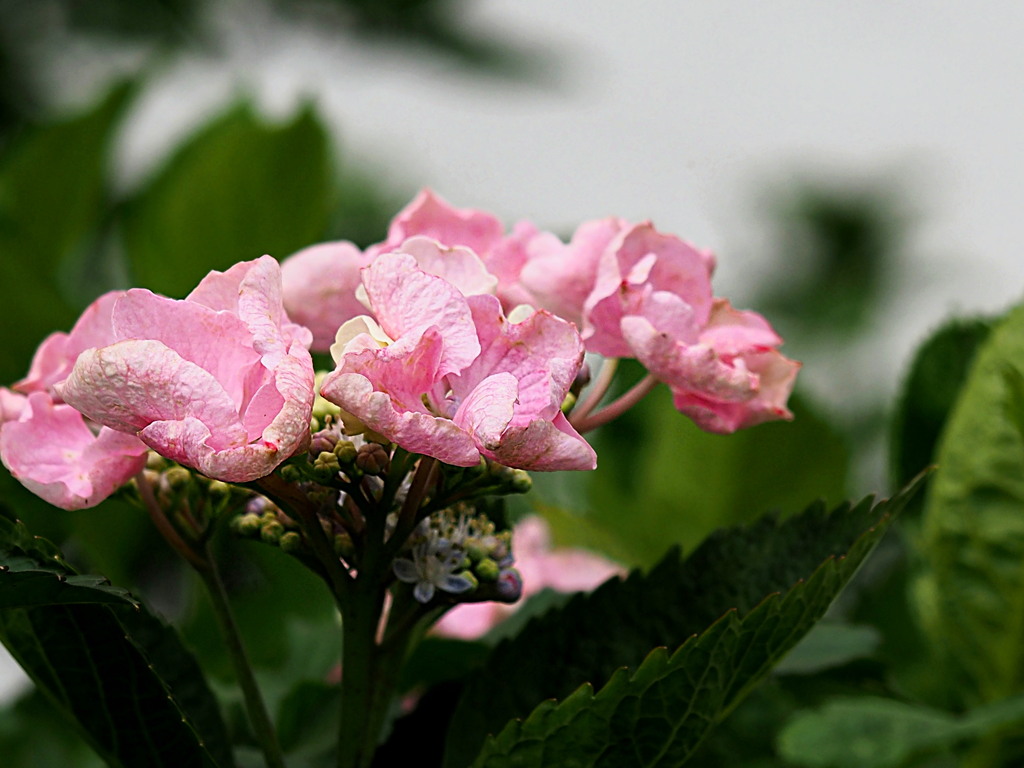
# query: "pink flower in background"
[[319, 288], [449, 376], [221, 381], [732, 378], [47, 445], [541, 567], [503, 255]]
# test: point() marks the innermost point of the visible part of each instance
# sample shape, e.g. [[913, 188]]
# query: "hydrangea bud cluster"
[[459, 552]]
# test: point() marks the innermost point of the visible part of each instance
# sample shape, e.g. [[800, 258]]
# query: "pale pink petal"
[[692, 367], [415, 431], [506, 260], [131, 384], [11, 405], [216, 341], [544, 446], [406, 300], [406, 369], [319, 288], [488, 409], [561, 276], [457, 265], [732, 331], [52, 452], [429, 215], [49, 365]]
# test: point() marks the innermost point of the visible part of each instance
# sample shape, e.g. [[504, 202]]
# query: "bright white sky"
[[687, 113]]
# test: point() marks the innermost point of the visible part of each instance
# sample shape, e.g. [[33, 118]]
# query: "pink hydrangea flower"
[[47, 445], [319, 288], [428, 215], [449, 376], [221, 381], [541, 567]]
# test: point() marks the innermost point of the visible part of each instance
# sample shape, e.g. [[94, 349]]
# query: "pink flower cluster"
[[452, 338], [221, 381], [630, 291]]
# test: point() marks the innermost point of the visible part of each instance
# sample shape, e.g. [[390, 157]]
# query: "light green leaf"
[[829, 644], [884, 733], [970, 587]]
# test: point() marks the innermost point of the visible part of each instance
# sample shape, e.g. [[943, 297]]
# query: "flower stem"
[[597, 391], [615, 409], [259, 718]]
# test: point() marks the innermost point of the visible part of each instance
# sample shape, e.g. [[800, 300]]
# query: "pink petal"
[[319, 288], [455, 264], [544, 446], [415, 431], [406, 300], [488, 409], [131, 384], [732, 332], [11, 405], [429, 215], [52, 452], [217, 341]]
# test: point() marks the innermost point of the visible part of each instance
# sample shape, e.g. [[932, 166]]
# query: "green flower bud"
[[346, 451], [520, 482], [471, 578], [247, 524], [219, 490], [343, 546], [271, 532], [476, 550], [291, 542], [290, 473], [487, 570], [568, 403], [177, 478]]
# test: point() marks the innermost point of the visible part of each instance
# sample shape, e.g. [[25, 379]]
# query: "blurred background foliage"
[[875, 685]]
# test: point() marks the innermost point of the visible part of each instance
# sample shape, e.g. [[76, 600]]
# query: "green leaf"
[[52, 185], [827, 645], [929, 392], [23, 583], [122, 676], [727, 596], [664, 481], [970, 587], [236, 190], [883, 733]]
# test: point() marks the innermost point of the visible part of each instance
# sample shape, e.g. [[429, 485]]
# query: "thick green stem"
[[262, 726]]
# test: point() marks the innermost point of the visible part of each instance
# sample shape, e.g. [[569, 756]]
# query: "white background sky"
[[688, 113]]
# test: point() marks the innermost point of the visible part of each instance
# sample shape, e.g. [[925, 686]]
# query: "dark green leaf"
[[929, 392], [23, 583], [722, 585], [970, 586], [238, 189], [883, 733], [122, 676]]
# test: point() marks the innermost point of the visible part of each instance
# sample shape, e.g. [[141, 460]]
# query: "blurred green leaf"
[[884, 733], [970, 588], [662, 481], [238, 189], [657, 714], [829, 644], [122, 676], [34, 735], [585, 643], [929, 392], [52, 183]]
